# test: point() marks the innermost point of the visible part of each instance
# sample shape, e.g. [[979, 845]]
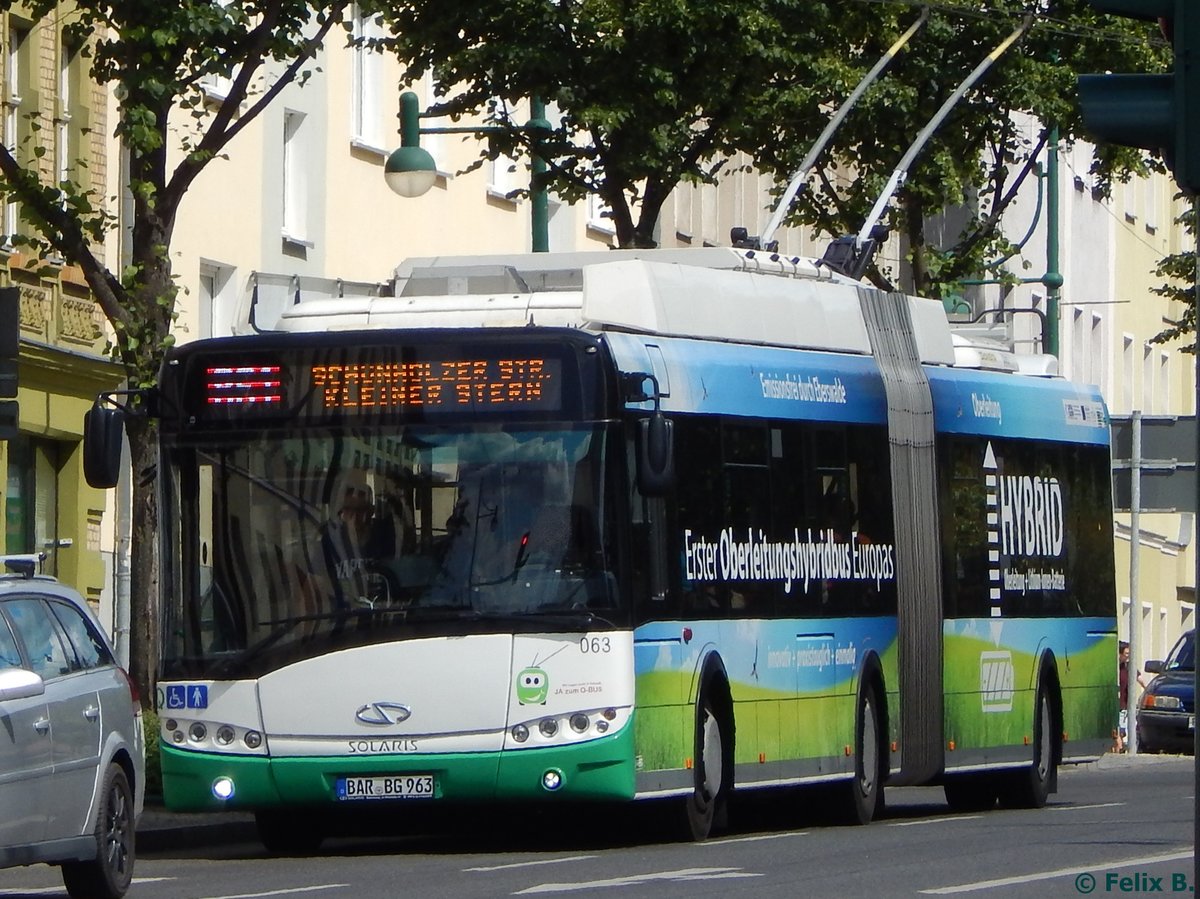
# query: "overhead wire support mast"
[[864, 241], [800, 178]]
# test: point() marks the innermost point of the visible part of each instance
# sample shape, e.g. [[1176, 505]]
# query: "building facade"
[[54, 117]]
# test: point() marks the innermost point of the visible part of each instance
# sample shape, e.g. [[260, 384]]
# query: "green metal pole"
[[1053, 278], [539, 200], [410, 120]]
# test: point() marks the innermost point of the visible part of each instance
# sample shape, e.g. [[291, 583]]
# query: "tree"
[[156, 57], [654, 93], [1180, 271], [648, 92], [981, 155]]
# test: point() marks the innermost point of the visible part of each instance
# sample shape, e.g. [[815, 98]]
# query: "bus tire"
[[287, 832], [866, 789], [705, 807], [1030, 786]]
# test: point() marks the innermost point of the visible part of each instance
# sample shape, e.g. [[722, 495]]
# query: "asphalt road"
[[1122, 826]]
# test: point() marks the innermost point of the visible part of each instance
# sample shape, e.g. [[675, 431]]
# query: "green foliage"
[[156, 57], [654, 93], [1180, 271], [979, 156], [150, 727], [649, 93]]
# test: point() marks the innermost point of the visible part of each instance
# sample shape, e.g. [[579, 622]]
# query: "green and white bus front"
[[367, 599]]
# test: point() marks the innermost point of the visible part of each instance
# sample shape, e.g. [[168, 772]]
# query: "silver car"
[[72, 750]]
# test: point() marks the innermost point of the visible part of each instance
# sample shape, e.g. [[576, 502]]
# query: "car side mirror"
[[1153, 666], [20, 683]]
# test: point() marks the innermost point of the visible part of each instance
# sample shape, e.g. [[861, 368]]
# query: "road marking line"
[[544, 861], [1062, 872], [293, 890], [1076, 808], [684, 874], [37, 891], [934, 820], [769, 836]]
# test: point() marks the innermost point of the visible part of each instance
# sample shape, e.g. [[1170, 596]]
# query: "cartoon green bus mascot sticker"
[[533, 686]]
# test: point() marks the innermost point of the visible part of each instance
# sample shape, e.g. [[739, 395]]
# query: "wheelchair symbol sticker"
[[187, 696]]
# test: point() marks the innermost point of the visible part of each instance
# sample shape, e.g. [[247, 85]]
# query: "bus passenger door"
[[660, 646]]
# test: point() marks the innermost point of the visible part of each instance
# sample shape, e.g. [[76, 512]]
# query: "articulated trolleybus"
[[619, 526]]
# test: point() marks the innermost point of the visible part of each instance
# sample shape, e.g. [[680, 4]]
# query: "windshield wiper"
[[283, 628], [567, 616]]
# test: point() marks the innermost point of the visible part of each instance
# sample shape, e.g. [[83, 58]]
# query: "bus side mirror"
[[656, 455], [103, 431]]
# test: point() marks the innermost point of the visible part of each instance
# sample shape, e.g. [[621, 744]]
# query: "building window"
[[367, 81], [217, 85], [1147, 378], [216, 300], [31, 501], [504, 177], [1127, 372], [295, 179], [599, 215], [1164, 381], [16, 87]]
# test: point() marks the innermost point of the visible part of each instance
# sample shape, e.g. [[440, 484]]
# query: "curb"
[[159, 830]]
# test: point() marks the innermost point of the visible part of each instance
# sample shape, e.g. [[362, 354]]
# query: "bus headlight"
[[520, 733], [222, 788], [225, 734], [548, 727], [253, 739], [198, 732], [579, 722]]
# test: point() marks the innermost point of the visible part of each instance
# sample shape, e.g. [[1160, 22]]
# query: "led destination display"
[[525, 382], [374, 380]]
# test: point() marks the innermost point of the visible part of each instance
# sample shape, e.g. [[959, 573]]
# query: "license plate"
[[399, 786]]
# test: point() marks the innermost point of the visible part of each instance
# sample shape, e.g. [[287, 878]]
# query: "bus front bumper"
[[597, 770]]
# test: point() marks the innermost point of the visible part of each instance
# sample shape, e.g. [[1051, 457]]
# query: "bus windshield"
[[294, 543]]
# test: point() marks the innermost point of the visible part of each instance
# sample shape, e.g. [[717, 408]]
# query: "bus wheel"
[[705, 805], [1029, 787], [866, 790], [288, 832], [970, 792]]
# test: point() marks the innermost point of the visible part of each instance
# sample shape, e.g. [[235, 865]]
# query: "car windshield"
[[1183, 656], [296, 544]]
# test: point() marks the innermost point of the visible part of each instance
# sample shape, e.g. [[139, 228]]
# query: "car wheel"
[[108, 875]]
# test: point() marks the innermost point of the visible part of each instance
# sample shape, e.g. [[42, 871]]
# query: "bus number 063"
[[594, 644]]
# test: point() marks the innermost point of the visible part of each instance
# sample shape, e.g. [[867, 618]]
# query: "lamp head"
[[410, 171]]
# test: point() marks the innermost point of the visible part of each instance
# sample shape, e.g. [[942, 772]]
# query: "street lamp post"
[[410, 171]]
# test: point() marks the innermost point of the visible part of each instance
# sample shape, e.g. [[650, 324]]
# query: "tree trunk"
[[144, 571], [914, 226]]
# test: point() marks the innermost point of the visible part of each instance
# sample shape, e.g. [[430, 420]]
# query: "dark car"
[[1166, 717], [72, 749]]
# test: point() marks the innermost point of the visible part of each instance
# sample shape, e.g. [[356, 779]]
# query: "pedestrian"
[[1123, 694]]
